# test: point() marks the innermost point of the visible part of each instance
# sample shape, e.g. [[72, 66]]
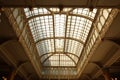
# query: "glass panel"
[[45, 46], [102, 20], [105, 13], [73, 57], [85, 12], [59, 23], [41, 27], [73, 47], [78, 27], [66, 61], [99, 26]]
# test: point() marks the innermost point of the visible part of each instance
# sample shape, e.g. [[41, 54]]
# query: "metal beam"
[[39, 15], [71, 59], [47, 58], [78, 40], [56, 5], [59, 53], [65, 33], [79, 15], [54, 32], [70, 14]]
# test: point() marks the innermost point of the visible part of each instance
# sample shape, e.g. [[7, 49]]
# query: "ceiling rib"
[[71, 59], [65, 40], [53, 54], [47, 58], [59, 53], [39, 15], [78, 15], [54, 33], [65, 33], [70, 14], [59, 38]]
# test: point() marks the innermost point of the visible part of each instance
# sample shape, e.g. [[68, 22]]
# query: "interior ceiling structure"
[[64, 33], [60, 38]]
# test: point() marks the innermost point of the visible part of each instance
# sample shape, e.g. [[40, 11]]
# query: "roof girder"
[[60, 38]]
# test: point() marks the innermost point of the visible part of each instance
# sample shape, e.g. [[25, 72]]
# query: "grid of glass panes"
[[74, 47], [85, 11], [41, 27], [35, 11], [59, 23], [66, 61], [45, 46], [78, 27], [59, 60]]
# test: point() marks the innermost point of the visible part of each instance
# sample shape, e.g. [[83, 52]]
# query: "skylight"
[[60, 36]]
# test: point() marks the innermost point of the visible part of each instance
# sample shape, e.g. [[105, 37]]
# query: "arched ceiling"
[[60, 35]]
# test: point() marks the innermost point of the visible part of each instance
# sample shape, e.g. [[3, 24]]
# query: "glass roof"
[[60, 36]]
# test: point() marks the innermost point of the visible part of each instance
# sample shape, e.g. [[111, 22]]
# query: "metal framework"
[[60, 35]]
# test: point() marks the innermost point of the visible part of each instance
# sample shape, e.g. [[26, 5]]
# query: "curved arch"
[[71, 59], [63, 53], [60, 38], [83, 16], [9, 42], [32, 17], [59, 53]]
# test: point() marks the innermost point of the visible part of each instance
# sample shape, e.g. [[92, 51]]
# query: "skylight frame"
[[55, 37]]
